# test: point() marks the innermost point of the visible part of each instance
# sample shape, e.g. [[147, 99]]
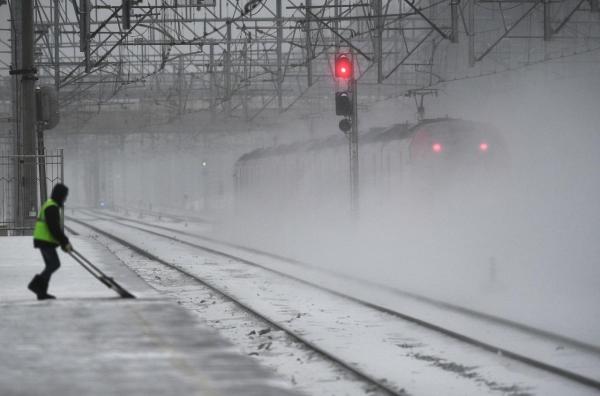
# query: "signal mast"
[[346, 106]]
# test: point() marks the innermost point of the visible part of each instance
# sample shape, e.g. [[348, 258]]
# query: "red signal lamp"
[[436, 147], [483, 147], [343, 67]]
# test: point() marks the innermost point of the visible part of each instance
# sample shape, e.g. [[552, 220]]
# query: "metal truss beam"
[[275, 55]]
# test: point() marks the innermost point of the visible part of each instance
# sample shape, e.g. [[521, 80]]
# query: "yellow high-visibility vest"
[[41, 231]]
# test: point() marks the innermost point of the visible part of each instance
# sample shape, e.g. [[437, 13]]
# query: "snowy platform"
[[91, 342]]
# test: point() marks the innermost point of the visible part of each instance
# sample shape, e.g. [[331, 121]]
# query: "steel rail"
[[461, 337], [429, 300], [347, 366]]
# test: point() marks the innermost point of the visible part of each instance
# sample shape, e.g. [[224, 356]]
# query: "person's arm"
[[53, 220]]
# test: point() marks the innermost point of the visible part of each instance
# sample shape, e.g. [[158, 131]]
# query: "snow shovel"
[[101, 276]]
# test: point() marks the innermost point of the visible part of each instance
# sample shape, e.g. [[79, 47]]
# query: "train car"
[[393, 162]]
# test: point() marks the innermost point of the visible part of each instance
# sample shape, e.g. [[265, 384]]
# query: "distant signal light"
[[483, 147], [436, 147]]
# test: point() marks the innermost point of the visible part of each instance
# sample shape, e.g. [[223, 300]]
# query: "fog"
[[524, 247], [521, 244]]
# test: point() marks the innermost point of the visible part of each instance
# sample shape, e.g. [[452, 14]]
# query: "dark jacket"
[[52, 216]]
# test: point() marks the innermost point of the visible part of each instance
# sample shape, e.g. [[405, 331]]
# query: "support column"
[[454, 20], [353, 145], [211, 74], [309, 51], [378, 40], [15, 204], [246, 81], [336, 24], [547, 24], [27, 116], [227, 71], [279, 76], [180, 85], [41, 151], [471, 27], [56, 20], [84, 32]]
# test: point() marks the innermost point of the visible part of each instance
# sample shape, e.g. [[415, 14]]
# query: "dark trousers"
[[51, 260]]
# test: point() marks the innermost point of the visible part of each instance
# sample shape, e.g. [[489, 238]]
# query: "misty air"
[[268, 197]]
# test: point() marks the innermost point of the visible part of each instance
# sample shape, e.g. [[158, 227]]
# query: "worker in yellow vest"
[[47, 236]]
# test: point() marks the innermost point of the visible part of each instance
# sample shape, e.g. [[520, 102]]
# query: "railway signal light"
[[343, 67], [345, 125], [343, 103]]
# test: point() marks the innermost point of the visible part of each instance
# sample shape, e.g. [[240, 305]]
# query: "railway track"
[[374, 383], [502, 321], [126, 222]]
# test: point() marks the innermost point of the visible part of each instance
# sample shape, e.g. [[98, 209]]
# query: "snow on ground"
[[582, 360], [89, 341], [408, 356], [304, 369]]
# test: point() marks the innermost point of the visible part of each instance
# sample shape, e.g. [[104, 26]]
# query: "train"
[[401, 160]]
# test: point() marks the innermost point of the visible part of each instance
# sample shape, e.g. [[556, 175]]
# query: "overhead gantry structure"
[[253, 59], [242, 58]]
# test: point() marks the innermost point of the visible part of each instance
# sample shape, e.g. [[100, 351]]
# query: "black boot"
[[45, 295], [39, 286]]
